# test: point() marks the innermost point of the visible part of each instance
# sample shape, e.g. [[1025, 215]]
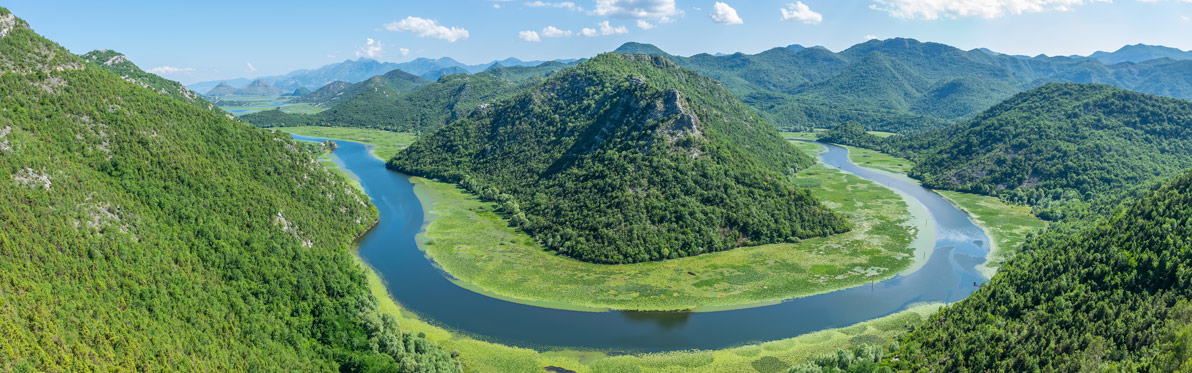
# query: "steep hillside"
[[628, 158], [1110, 297], [1057, 144], [423, 110], [139, 232], [120, 65]]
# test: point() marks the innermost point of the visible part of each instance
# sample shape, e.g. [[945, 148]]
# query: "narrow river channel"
[[948, 275]]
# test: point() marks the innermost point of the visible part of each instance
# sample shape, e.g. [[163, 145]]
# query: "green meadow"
[[774, 356], [472, 241], [384, 143], [240, 105]]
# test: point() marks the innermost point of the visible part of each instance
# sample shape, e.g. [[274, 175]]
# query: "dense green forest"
[[903, 85], [1109, 295], [628, 158], [1057, 148], [140, 232], [334, 93], [424, 110], [118, 63], [327, 95]]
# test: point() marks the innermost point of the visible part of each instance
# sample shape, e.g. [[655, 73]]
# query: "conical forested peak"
[[223, 89], [616, 160], [401, 75], [640, 48]]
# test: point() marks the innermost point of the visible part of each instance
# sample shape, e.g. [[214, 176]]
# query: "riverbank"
[[469, 240], [1008, 226], [774, 356], [383, 144]]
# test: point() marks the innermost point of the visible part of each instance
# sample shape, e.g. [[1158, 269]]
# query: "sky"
[[192, 41]]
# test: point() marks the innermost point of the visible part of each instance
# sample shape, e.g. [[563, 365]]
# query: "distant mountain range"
[[897, 85], [1140, 53], [398, 101], [353, 71], [255, 88], [904, 85]]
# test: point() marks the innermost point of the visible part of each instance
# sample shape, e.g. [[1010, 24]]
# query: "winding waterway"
[[948, 275]]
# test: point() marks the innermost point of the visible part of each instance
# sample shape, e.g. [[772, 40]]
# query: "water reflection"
[[666, 320]]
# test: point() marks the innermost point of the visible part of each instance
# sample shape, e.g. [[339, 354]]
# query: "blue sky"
[[194, 41]]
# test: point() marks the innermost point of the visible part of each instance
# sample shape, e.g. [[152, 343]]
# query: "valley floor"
[[459, 213], [475, 244]]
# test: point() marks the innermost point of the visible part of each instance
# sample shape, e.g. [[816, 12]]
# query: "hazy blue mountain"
[[355, 71], [258, 88], [1140, 53], [223, 89], [301, 91]]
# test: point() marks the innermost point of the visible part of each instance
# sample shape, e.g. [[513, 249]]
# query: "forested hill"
[[424, 110], [139, 232], [1059, 144], [334, 93], [118, 63], [628, 158], [1113, 297]]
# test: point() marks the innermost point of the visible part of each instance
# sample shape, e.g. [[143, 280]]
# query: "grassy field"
[[385, 143], [241, 105], [775, 356], [470, 240], [1008, 225], [815, 134], [878, 160]]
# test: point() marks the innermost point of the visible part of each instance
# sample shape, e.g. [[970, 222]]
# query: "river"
[[948, 275]]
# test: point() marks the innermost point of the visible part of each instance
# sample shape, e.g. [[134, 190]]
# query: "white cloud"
[[371, 49], [934, 9], [563, 5], [870, 37], [427, 28], [404, 51], [642, 24], [640, 9], [802, 13], [251, 68], [529, 35], [171, 70], [1185, 18], [605, 29], [724, 14], [554, 32], [496, 6]]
